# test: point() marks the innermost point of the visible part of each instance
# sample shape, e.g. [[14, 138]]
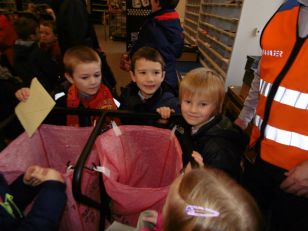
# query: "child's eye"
[[97, 75], [84, 77], [157, 73], [187, 101], [203, 104]]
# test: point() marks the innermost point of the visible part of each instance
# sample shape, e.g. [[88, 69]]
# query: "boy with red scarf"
[[83, 70]]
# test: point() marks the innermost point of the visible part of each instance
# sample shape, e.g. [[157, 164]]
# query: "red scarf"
[[102, 100]]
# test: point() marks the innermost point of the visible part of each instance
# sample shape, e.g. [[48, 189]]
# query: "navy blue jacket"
[[50, 199], [163, 97], [162, 30]]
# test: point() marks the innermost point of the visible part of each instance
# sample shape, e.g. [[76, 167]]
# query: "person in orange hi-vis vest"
[[278, 101]]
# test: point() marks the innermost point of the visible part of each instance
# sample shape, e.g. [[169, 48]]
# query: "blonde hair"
[[77, 55], [213, 190], [203, 82]]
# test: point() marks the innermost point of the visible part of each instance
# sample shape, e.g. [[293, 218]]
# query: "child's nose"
[[193, 108], [150, 77], [93, 80]]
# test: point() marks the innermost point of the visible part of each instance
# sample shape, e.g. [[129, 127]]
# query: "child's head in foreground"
[[147, 70], [201, 96], [209, 200], [83, 69]]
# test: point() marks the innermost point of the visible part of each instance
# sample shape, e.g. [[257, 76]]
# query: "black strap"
[[267, 110]]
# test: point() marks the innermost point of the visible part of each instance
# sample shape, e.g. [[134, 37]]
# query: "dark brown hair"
[[51, 24], [147, 53]]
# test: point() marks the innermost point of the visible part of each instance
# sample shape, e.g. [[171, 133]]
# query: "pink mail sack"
[[55, 146], [140, 163]]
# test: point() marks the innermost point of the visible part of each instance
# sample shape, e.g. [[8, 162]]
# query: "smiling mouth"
[[194, 117], [149, 86]]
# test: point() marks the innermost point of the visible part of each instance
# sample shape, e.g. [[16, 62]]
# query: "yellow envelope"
[[32, 112]]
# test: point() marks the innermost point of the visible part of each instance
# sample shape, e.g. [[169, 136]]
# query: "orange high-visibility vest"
[[281, 122]]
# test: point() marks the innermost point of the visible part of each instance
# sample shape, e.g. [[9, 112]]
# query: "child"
[[206, 199], [43, 185], [83, 70], [212, 135], [49, 40], [148, 91], [29, 60], [161, 30]]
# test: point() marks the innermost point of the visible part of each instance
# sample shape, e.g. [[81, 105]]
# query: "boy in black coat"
[[213, 138]]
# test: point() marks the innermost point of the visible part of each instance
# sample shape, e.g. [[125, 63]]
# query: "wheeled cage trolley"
[[112, 175]]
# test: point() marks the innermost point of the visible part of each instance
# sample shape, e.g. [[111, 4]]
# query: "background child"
[[49, 40], [148, 91], [205, 199], [29, 60], [43, 185], [83, 72], [212, 134]]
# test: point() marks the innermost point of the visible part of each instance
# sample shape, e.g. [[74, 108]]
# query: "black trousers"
[[282, 211]]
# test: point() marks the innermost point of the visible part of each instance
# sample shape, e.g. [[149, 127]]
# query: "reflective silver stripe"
[[59, 95], [282, 136], [286, 96]]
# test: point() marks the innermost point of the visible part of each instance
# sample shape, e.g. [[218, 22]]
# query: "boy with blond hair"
[[215, 140]]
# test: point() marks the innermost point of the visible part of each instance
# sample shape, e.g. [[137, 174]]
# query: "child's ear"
[[132, 76], [164, 74], [69, 78]]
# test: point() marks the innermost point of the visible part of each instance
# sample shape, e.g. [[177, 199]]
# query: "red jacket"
[[7, 37]]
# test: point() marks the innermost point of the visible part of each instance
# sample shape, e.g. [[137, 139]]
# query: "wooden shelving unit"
[[212, 26], [191, 21]]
